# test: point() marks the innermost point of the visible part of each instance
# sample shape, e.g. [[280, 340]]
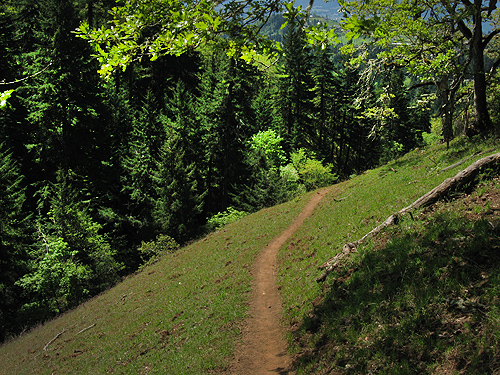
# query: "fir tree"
[[14, 240], [296, 87], [179, 205]]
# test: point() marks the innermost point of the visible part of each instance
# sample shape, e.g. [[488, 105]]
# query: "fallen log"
[[454, 183]]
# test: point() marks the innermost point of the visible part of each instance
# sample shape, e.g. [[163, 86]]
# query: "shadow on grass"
[[425, 301]]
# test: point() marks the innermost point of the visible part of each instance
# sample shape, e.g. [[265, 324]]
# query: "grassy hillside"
[[178, 316], [421, 298]]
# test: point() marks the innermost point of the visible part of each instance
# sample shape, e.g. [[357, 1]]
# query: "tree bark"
[[482, 121], [461, 179]]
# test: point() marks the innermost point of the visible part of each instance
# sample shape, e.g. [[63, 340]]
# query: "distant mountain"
[[326, 9]]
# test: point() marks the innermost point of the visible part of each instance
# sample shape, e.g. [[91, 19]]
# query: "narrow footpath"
[[264, 348]]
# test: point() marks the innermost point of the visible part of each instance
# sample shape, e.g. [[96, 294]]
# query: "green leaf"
[[4, 97]]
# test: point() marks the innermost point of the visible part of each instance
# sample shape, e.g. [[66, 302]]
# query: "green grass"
[[181, 315], [421, 298], [378, 314]]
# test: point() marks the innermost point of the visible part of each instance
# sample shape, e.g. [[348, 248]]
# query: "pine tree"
[[140, 164], [72, 259], [14, 233], [327, 94], [179, 205], [223, 122], [296, 87], [66, 116]]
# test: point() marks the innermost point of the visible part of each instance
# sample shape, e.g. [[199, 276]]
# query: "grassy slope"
[[391, 309], [182, 314], [178, 316]]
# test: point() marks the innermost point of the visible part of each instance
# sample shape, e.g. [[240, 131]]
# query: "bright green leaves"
[[151, 28], [416, 36], [4, 97], [268, 142], [209, 23], [321, 36], [358, 26], [159, 27]]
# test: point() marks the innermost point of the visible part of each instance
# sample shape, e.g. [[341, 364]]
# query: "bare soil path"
[[264, 349]]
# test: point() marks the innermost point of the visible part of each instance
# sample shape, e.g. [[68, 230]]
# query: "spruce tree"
[[140, 164], [178, 207], [14, 240], [327, 103], [295, 87], [223, 122]]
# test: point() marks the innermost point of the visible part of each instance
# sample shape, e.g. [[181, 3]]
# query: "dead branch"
[[54, 339], [27, 77], [86, 328], [341, 199], [461, 179]]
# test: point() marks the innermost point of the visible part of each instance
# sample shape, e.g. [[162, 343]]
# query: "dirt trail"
[[264, 350]]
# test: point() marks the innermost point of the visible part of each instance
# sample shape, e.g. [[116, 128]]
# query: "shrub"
[[312, 172], [152, 251], [223, 218], [269, 143]]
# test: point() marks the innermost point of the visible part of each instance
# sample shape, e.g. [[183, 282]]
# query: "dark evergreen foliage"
[[14, 240], [92, 169]]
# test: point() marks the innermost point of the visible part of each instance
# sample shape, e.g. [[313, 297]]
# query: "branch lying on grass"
[[453, 183], [341, 199], [86, 328], [54, 339]]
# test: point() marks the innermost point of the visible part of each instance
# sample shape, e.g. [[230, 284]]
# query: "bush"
[[269, 143], [223, 218], [435, 134], [152, 251], [312, 172]]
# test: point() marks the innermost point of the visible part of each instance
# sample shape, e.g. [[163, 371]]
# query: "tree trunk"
[[446, 97], [482, 121]]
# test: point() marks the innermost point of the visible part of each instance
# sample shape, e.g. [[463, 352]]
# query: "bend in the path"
[[264, 349]]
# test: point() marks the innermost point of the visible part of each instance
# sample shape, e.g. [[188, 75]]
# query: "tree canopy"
[[435, 39]]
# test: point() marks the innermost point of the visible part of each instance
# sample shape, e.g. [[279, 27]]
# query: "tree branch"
[[54, 339], [422, 84], [490, 36], [25, 78]]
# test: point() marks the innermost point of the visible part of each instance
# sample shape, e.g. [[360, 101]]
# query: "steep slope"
[[184, 314], [380, 312], [180, 316]]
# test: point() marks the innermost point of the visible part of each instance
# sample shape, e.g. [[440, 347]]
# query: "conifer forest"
[[115, 148]]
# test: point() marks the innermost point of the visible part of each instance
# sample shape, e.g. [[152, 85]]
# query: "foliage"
[[169, 27], [312, 172], [14, 240], [269, 142], [494, 99], [230, 215], [71, 260], [56, 280], [4, 97], [178, 204], [152, 251], [437, 41]]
